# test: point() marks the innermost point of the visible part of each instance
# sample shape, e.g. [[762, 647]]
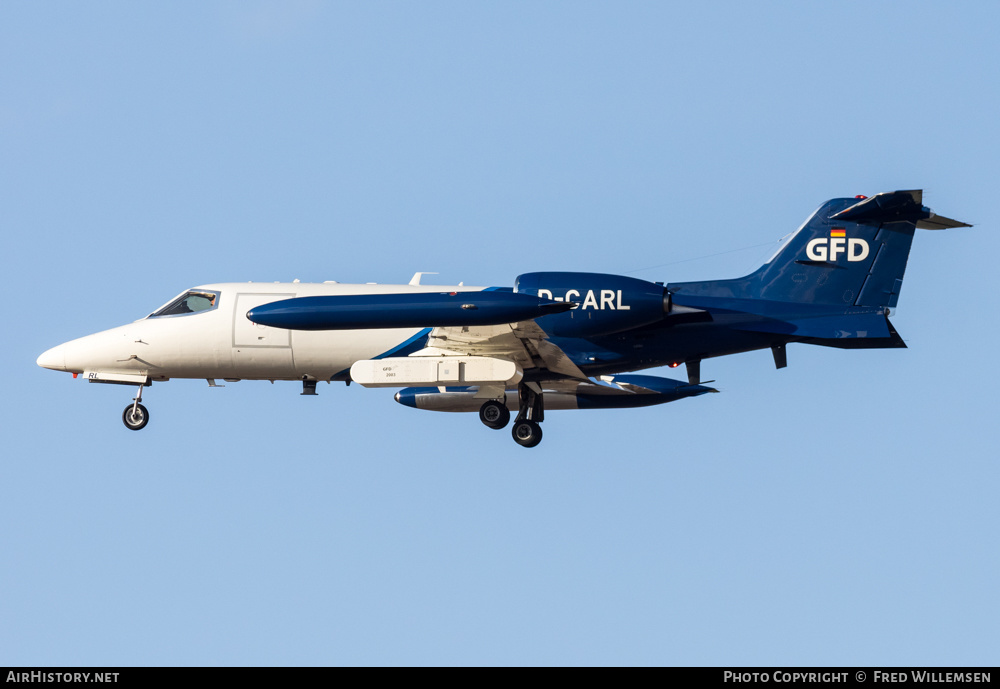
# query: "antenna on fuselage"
[[415, 280]]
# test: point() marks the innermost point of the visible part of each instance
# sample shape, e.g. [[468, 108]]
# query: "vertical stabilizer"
[[850, 252]]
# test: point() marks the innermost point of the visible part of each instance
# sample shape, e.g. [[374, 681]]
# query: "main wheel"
[[135, 421], [526, 433], [494, 414]]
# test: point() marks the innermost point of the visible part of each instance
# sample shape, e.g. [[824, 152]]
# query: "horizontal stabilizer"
[[897, 206], [939, 222]]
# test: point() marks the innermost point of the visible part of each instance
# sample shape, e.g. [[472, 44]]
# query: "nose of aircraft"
[[104, 350], [54, 358]]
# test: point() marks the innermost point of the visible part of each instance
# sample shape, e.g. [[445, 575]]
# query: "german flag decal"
[[838, 232]]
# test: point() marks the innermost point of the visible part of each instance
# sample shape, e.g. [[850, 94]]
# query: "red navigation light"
[[75, 374], [861, 196], [675, 364]]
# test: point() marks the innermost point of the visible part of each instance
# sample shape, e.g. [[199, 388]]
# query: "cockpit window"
[[193, 301]]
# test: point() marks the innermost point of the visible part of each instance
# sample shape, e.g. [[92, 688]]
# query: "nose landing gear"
[[136, 416]]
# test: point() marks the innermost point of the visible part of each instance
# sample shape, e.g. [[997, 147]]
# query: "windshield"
[[192, 301]]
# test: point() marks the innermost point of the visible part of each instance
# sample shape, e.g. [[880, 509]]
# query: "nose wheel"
[[136, 416]]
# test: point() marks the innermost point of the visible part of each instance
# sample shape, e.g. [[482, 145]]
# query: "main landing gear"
[[135, 415], [494, 414], [526, 431]]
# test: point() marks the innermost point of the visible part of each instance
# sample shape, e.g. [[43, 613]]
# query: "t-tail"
[[835, 279]]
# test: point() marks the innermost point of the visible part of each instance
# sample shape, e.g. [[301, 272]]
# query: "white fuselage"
[[220, 342]]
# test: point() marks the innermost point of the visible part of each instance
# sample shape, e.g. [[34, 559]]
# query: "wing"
[[524, 343], [484, 324]]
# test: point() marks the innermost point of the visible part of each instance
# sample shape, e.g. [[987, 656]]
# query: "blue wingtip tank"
[[612, 392], [407, 310]]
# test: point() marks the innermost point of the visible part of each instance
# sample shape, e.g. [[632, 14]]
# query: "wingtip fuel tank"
[[406, 310], [609, 392]]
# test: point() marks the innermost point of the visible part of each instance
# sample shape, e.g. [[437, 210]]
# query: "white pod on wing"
[[396, 372]]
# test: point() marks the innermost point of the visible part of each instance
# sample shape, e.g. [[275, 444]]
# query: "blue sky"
[[840, 511]]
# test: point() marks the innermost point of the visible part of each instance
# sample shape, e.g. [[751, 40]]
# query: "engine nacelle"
[[606, 304]]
